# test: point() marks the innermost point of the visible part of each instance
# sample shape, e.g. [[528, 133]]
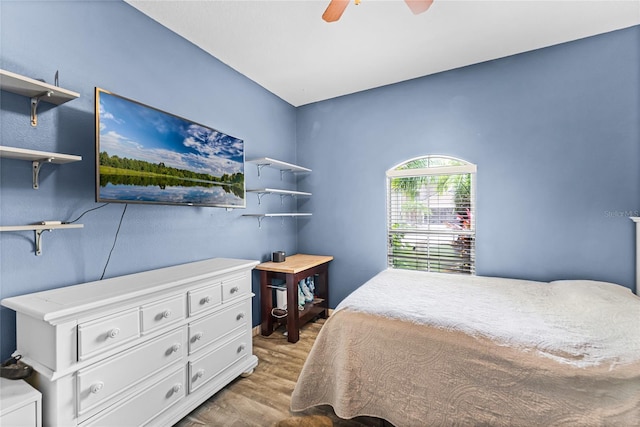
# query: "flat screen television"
[[144, 155]]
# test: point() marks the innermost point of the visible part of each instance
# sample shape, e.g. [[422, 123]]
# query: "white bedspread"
[[582, 323]]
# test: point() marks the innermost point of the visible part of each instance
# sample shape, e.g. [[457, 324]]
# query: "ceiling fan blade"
[[334, 10], [418, 6]]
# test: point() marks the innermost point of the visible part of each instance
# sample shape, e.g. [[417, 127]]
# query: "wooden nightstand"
[[20, 404], [292, 270]]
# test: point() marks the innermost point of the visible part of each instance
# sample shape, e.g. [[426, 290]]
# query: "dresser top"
[[65, 302]]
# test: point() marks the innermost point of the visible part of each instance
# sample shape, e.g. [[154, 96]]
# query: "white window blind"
[[431, 215]]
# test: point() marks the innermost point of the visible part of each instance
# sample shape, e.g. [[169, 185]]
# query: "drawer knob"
[[198, 336], [206, 300], [241, 348], [240, 316], [176, 388], [176, 348], [234, 290], [114, 332], [95, 388], [166, 314], [200, 373]]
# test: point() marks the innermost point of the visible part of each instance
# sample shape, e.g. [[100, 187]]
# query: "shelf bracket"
[[38, 240], [282, 196], [260, 195], [260, 218], [260, 166], [35, 101], [36, 165], [282, 172]]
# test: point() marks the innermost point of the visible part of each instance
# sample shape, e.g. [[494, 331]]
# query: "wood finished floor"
[[263, 398]]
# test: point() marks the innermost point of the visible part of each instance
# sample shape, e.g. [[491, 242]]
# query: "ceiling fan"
[[336, 8]]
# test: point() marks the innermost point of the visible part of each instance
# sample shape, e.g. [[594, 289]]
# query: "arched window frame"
[[439, 245]]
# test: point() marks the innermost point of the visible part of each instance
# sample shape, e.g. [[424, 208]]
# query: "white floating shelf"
[[15, 83], [274, 215], [283, 193], [36, 90], [34, 155], [38, 229], [276, 191], [277, 214], [38, 158], [278, 164]]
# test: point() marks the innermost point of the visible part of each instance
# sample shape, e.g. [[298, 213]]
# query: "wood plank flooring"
[[263, 398]]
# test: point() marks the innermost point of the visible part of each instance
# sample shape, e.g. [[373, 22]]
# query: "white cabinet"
[[20, 404], [145, 348]]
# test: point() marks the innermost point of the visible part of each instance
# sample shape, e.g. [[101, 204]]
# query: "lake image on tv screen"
[[149, 156]]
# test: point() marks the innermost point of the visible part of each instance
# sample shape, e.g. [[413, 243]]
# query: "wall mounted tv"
[[144, 155]]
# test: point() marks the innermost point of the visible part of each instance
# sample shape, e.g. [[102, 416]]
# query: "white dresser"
[[145, 348]]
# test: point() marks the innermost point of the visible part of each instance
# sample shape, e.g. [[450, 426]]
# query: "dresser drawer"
[[204, 298], [107, 379], [211, 328], [106, 332], [207, 367], [145, 405], [234, 287], [162, 313]]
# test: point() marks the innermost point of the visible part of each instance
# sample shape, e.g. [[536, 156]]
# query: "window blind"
[[431, 219]]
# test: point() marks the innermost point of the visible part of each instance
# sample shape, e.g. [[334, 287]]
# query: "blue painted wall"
[[555, 134], [113, 46]]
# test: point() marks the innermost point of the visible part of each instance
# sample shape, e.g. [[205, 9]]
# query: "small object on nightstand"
[[278, 256]]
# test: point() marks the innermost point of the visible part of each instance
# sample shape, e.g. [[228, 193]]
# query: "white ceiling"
[[287, 48]]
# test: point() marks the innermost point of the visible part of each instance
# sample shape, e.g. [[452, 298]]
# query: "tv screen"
[[144, 155]]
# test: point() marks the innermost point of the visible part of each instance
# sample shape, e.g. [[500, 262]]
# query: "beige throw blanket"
[[414, 374]]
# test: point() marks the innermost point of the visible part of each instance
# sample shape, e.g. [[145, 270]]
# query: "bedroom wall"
[[111, 45], [555, 134]]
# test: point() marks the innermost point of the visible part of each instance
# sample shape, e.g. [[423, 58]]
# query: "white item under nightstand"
[[20, 404]]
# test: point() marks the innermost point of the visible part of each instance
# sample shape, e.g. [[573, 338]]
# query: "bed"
[[433, 349]]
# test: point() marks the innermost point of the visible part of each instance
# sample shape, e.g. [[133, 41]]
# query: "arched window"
[[431, 215]]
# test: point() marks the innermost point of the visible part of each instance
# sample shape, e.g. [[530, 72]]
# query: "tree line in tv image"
[[117, 170]]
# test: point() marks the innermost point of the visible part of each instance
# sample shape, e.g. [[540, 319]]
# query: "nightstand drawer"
[[204, 298], [235, 287], [211, 328], [106, 332], [162, 313], [107, 379], [210, 365]]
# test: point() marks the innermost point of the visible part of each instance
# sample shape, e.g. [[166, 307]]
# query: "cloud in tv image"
[[149, 156]]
